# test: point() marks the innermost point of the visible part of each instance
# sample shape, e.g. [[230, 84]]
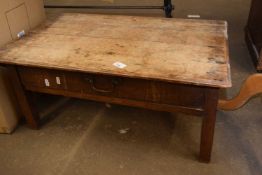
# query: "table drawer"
[[136, 89], [111, 86], [41, 78]]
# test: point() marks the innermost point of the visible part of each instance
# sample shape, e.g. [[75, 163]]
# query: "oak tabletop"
[[175, 50]]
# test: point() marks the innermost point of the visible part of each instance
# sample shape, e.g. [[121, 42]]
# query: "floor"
[[84, 137]]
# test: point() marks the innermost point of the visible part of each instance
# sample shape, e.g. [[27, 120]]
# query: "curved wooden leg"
[[251, 88]]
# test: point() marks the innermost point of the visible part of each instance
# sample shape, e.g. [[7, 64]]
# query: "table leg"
[[208, 125], [25, 100]]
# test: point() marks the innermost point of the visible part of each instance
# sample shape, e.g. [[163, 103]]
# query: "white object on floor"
[[124, 131], [193, 16]]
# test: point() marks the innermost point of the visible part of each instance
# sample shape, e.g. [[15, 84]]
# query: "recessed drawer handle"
[[92, 82]]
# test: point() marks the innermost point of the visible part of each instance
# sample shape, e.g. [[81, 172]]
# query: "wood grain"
[[173, 50]]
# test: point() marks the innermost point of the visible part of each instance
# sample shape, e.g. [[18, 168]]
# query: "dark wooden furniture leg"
[[24, 99], [208, 125]]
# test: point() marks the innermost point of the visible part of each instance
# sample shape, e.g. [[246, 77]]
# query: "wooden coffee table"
[[174, 65]]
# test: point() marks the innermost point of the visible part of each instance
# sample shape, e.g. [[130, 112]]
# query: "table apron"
[[151, 94]]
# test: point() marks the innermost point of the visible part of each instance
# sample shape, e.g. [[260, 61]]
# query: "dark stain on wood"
[[215, 60], [110, 53]]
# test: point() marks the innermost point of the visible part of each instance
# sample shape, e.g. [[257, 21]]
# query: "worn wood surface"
[[174, 50]]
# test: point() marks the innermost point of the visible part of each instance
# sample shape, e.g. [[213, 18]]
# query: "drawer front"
[[41, 78], [136, 89], [112, 86], [177, 94]]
